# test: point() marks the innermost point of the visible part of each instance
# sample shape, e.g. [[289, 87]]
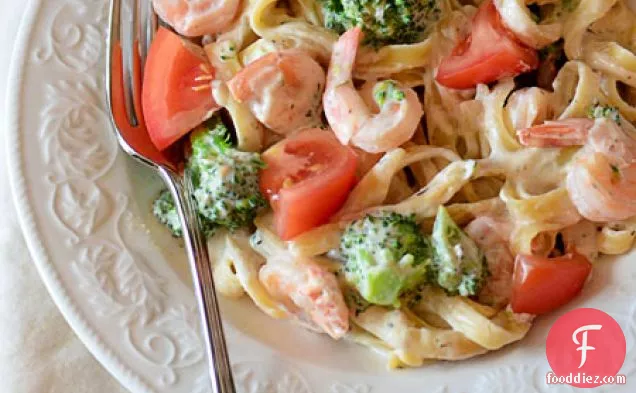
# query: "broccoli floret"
[[387, 89], [459, 265], [164, 209], [385, 255], [383, 21], [225, 182], [225, 179], [609, 112]]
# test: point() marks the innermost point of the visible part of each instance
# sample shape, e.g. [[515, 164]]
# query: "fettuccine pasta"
[[413, 156]]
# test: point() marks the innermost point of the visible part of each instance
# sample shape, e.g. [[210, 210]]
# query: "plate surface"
[[122, 283]]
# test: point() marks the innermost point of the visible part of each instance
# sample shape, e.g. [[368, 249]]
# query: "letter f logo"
[[584, 347]]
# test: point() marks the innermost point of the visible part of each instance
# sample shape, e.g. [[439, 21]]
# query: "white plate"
[[122, 282]]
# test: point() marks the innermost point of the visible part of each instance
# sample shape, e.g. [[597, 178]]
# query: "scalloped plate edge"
[[33, 240]]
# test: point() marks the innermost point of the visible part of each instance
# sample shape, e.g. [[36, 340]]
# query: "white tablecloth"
[[38, 351]]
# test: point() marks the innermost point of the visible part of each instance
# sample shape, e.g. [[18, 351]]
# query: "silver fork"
[[124, 73]]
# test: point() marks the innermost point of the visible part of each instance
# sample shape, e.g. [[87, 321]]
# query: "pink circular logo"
[[586, 348]]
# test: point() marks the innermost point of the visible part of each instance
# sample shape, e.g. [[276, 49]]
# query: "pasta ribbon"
[[257, 49], [223, 52], [617, 238], [501, 139], [413, 344], [373, 189], [392, 59], [246, 263], [225, 278], [424, 203], [249, 131], [224, 57], [613, 60], [610, 89], [617, 25], [577, 23], [235, 271], [287, 32], [312, 243], [362, 337], [462, 213], [534, 214], [516, 16], [576, 88], [470, 329], [453, 121], [399, 188], [309, 9], [317, 241], [463, 317]]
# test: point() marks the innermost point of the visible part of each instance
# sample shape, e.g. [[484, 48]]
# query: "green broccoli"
[[384, 22], [225, 179], [385, 254], [164, 209], [225, 182], [609, 112], [459, 265], [387, 89]]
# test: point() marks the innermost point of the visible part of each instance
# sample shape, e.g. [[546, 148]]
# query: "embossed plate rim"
[[46, 270]]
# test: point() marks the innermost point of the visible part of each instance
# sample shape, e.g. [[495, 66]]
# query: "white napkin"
[[38, 351]]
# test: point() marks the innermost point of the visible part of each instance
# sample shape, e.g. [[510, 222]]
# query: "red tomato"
[[307, 179], [176, 93], [489, 53], [541, 284], [137, 136]]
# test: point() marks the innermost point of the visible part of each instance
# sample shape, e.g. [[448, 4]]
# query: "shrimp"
[[282, 89], [528, 106], [563, 133], [582, 238], [490, 235], [601, 181], [349, 116], [193, 18], [312, 289]]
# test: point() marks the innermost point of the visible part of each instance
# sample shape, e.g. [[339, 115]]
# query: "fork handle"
[[196, 247]]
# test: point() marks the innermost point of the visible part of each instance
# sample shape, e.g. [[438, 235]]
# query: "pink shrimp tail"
[[563, 133], [344, 56]]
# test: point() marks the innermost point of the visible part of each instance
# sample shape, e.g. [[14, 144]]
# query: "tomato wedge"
[[176, 94], [307, 178], [489, 53], [541, 285]]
